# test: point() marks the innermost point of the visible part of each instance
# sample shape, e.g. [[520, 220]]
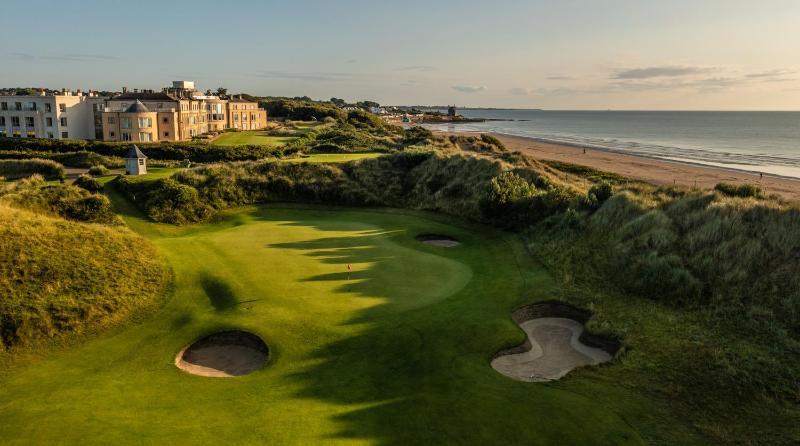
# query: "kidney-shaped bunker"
[[224, 354]]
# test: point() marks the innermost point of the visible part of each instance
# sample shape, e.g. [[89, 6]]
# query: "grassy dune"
[[255, 137], [59, 279]]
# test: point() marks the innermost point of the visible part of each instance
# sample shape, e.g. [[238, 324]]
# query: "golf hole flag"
[[349, 268]]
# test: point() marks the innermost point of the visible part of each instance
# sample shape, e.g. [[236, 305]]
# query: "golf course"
[[398, 352]]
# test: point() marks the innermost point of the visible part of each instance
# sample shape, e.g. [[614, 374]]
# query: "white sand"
[[221, 361], [556, 350]]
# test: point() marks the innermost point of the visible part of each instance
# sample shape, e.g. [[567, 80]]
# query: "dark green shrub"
[[88, 183], [13, 169], [98, 171], [418, 135]]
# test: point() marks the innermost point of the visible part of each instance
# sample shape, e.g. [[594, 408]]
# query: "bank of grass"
[[61, 279]]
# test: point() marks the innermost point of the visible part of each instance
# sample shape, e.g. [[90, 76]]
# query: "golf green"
[[397, 351]]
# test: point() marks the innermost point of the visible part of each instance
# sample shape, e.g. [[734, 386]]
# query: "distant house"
[[350, 107], [135, 162]]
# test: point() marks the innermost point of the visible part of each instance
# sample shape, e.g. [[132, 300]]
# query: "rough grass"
[[59, 279], [20, 168]]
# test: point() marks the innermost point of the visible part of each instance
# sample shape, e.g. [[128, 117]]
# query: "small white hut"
[[135, 162]]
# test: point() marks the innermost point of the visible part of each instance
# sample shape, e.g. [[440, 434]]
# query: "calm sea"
[[766, 142]]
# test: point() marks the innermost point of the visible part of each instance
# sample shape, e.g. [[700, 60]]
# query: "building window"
[[111, 134], [141, 162], [145, 137], [166, 134], [47, 107], [126, 136], [160, 105], [123, 106], [32, 106], [125, 123], [166, 120], [15, 121], [28, 121], [64, 135], [18, 105], [2, 121], [31, 135], [50, 135], [49, 121], [145, 123], [111, 120], [3, 105], [62, 108], [63, 122]]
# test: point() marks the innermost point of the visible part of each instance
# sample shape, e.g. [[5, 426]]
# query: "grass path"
[[398, 354]]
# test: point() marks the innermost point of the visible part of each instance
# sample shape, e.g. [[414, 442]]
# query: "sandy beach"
[[651, 170]]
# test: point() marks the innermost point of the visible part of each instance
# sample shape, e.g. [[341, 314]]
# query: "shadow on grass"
[[418, 372], [220, 294]]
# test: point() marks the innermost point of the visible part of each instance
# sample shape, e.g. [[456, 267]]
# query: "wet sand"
[[654, 171]]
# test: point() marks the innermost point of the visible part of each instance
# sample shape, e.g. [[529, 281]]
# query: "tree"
[[221, 91], [338, 102]]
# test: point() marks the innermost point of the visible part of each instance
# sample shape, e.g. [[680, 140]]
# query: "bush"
[[489, 139], [742, 190], [13, 169], [88, 183], [61, 200], [417, 135], [98, 171]]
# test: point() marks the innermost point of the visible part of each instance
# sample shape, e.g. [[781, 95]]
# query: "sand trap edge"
[[260, 345], [438, 240], [554, 308]]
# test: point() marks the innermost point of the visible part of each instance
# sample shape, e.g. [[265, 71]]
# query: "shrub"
[[88, 183], [742, 190], [98, 171], [62, 200], [417, 135], [13, 169], [491, 140]]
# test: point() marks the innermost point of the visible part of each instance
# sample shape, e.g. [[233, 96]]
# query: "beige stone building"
[[177, 113], [64, 115]]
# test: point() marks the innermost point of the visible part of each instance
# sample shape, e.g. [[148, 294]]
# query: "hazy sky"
[[568, 54]]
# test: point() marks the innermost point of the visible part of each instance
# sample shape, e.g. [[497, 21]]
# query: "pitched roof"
[[145, 96], [137, 107], [134, 153]]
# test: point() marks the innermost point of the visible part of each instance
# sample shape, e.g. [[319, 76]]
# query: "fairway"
[[395, 352], [255, 137]]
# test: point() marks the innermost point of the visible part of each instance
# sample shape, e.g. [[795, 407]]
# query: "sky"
[[559, 54]]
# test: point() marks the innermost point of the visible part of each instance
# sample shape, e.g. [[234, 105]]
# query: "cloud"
[[416, 68], [69, 57], [310, 76], [561, 77], [663, 71], [469, 88]]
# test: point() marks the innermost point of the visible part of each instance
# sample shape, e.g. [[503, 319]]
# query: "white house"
[[135, 162]]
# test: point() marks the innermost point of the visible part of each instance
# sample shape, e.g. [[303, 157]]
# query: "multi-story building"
[[177, 113], [56, 116]]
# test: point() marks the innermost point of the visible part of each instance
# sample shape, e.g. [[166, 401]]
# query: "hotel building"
[[177, 113]]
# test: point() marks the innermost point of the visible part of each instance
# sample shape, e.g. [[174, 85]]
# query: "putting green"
[[397, 353]]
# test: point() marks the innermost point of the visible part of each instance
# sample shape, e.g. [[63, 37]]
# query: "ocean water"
[[767, 142]]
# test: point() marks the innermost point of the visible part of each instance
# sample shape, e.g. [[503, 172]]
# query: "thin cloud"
[[561, 77], [350, 61], [416, 68], [663, 71], [69, 57], [311, 76], [469, 88]]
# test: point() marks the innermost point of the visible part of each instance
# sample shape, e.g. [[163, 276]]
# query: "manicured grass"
[[397, 354], [333, 157], [255, 137]]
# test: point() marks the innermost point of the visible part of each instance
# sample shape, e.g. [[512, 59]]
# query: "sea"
[[766, 142]]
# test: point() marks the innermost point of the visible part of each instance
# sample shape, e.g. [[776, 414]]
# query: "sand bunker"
[[555, 346], [224, 354], [442, 241]]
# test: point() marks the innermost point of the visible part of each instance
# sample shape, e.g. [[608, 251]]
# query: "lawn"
[[332, 157], [254, 137], [397, 354]]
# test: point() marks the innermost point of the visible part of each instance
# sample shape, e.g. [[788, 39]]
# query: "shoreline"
[[658, 171]]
